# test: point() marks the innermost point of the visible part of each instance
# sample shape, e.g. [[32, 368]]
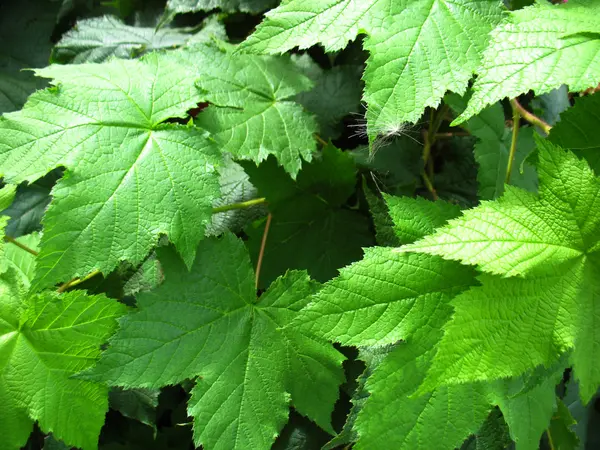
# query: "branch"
[[76, 281], [529, 117], [241, 205], [21, 246], [261, 254]]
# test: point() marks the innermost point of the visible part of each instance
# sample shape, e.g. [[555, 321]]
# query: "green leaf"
[[440, 420], [244, 382], [529, 411], [45, 339], [553, 240], [493, 148], [147, 277], [130, 176], [539, 48], [577, 130], [521, 232], [385, 234], [138, 404], [250, 6], [373, 357], [253, 114], [415, 218], [563, 437], [395, 166], [336, 93], [418, 49], [311, 227], [493, 434], [21, 261], [235, 188], [101, 38], [384, 298], [550, 106], [29, 205]]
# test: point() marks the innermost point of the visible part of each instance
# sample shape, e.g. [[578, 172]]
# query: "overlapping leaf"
[[130, 176], [540, 48], [253, 114], [418, 49], [577, 130], [251, 6], [208, 324], [492, 150], [509, 325], [44, 340], [312, 229], [98, 39]]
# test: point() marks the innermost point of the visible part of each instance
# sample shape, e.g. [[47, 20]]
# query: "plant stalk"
[[21, 246], [529, 117], [261, 254], [513, 142], [241, 205]]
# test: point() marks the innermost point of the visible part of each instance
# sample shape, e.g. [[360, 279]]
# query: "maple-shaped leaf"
[[311, 227], [493, 148], [253, 113], [44, 340], [100, 38], [418, 49], [208, 324], [553, 241], [577, 130], [130, 176], [539, 48]]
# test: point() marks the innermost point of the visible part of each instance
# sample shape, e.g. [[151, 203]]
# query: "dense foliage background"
[[240, 224]]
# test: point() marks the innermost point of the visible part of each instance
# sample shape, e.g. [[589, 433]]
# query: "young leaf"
[[540, 48], [418, 49], [208, 324], [130, 176], [577, 130], [45, 339], [311, 229], [101, 38], [253, 113]]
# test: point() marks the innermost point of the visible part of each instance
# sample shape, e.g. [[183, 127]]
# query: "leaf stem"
[[529, 117], [435, 121], [513, 142], [76, 281], [261, 254], [550, 441], [321, 140], [241, 205], [21, 246]]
